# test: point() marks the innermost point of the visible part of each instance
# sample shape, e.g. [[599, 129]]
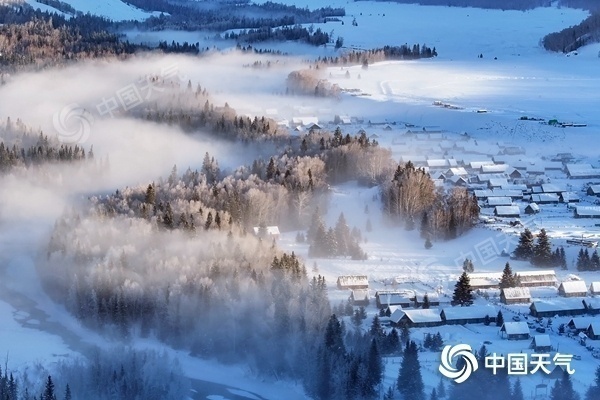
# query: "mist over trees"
[[410, 196]]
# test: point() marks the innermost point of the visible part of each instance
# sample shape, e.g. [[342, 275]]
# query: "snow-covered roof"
[[533, 206], [271, 230], [489, 177], [360, 294], [594, 188], [569, 196], [430, 296], [542, 341], [552, 188], [497, 182], [507, 210], [304, 121], [587, 211], [456, 313], [513, 186], [507, 193], [457, 178], [437, 163], [595, 287], [558, 304], [422, 316], [595, 327], [396, 315], [499, 201], [574, 287], [484, 279], [494, 168], [582, 170], [580, 323], [479, 164], [394, 298], [353, 280], [517, 293], [458, 171], [545, 198], [515, 328]]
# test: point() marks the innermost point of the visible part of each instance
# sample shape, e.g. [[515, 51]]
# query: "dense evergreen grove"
[[403, 52], [116, 374], [574, 37], [296, 33], [41, 40], [224, 16], [21, 147], [411, 196], [539, 252]]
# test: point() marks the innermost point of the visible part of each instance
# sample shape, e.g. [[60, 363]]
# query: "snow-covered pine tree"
[[524, 250], [463, 295]]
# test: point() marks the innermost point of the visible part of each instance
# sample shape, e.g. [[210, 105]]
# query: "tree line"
[[296, 33], [21, 147], [385, 53], [574, 37]]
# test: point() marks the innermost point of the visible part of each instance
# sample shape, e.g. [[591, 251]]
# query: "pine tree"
[[563, 389], [428, 243], [595, 261], [270, 169], [374, 367], [410, 381], [433, 395], [375, 329], [209, 220], [342, 235], [468, 266], [463, 295], [542, 252], [426, 303], [499, 319], [425, 231], [508, 280], [168, 218], [68, 393], [334, 336], [150, 195], [593, 393], [49, 390], [441, 389], [524, 250], [517, 391]]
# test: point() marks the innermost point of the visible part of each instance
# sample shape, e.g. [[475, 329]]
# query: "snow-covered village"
[[252, 199]]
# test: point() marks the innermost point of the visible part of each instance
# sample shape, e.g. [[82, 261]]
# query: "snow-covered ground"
[[116, 10]]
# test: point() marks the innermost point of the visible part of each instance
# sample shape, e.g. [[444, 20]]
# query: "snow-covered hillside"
[[116, 10]]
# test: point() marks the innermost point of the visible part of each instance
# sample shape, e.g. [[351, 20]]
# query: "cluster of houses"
[[404, 307]]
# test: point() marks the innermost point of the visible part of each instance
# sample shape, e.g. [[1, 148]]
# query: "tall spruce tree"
[[517, 391], [410, 381], [593, 392], [508, 280], [499, 319], [542, 252], [563, 389], [463, 295], [49, 390], [524, 250]]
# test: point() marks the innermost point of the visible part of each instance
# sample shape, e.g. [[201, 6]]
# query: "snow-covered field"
[[116, 10]]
